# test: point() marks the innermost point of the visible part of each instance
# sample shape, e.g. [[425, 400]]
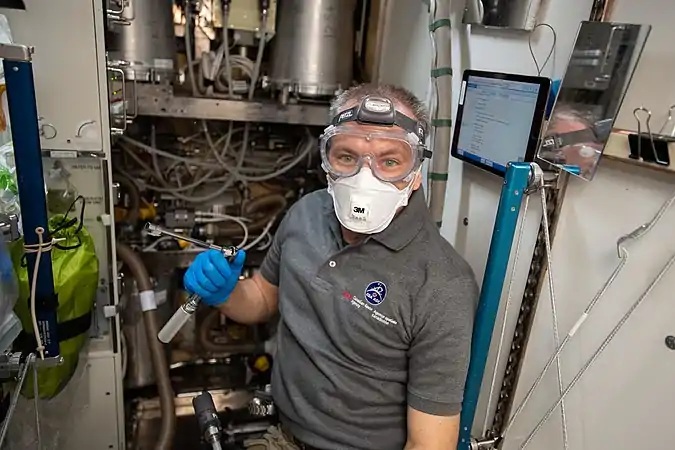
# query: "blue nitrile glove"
[[213, 277]]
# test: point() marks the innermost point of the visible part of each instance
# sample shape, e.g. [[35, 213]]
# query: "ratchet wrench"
[[183, 314]]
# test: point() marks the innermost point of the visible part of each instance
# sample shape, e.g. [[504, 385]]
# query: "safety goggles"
[[391, 156], [391, 143]]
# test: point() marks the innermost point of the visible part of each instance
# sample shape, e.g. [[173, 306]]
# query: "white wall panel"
[[66, 70]]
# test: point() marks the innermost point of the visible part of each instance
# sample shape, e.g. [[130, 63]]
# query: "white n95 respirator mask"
[[364, 204]]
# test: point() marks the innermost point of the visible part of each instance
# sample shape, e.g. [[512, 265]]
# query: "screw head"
[[670, 342]]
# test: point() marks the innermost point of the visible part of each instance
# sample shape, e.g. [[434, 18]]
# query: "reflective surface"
[[599, 71], [516, 14]]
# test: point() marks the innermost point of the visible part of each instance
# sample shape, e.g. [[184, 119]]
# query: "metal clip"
[[649, 133], [485, 444], [10, 364], [668, 121], [262, 405]]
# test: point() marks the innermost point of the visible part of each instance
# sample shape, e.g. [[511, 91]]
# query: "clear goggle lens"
[[390, 158]]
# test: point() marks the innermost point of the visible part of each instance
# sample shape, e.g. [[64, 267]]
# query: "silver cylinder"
[[313, 47], [146, 45]]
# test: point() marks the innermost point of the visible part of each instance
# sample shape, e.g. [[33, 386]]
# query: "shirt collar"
[[401, 231]]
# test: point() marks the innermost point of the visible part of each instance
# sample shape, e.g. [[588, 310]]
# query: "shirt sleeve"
[[269, 268], [439, 352]]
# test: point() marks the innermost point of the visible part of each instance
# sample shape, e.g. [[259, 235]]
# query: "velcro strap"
[[65, 331]]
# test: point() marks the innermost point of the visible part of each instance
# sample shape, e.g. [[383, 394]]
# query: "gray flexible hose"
[[159, 362]]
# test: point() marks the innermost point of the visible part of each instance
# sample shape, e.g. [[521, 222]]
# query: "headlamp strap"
[[380, 111], [556, 141]]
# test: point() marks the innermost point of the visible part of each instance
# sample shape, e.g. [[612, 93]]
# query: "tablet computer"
[[499, 119]]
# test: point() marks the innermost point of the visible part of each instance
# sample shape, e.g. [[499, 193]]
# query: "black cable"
[[65, 223]]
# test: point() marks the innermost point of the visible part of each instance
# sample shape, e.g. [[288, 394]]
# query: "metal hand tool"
[[183, 314]]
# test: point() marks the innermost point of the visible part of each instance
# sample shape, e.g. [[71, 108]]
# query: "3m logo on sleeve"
[[375, 292]]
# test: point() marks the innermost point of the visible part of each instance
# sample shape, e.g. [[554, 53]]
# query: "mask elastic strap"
[[412, 177]]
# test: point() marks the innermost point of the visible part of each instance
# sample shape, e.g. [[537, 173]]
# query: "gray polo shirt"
[[367, 330]]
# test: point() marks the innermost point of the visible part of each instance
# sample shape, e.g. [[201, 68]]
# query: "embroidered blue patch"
[[375, 292]]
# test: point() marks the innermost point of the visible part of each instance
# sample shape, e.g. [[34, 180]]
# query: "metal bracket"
[[485, 444], [519, 176], [110, 311], [9, 227], [10, 364], [16, 52], [262, 404]]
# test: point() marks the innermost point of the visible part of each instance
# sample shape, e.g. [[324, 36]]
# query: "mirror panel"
[[599, 71]]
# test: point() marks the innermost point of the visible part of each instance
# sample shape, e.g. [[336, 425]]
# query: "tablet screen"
[[499, 118]]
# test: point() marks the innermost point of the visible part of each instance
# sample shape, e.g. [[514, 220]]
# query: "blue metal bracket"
[[23, 115], [516, 182]]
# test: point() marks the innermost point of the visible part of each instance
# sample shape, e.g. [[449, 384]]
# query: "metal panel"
[[159, 101], [625, 389], [245, 15], [652, 85], [66, 70], [100, 424], [87, 414]]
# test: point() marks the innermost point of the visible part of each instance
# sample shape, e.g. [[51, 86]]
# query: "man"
[[376, 307]]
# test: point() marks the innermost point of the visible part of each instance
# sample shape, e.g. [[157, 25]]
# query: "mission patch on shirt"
[[367, 330]]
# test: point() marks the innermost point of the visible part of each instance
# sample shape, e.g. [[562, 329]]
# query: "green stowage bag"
[[75, 269]]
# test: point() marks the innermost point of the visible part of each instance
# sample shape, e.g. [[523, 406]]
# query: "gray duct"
[[159, 363], [441, 120]]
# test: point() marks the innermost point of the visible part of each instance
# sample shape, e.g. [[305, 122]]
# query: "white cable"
[[268, 241], [259, 56], [234, 172], [154, 245], [188, 48], [39, 248], [433, 94], [554, 312], [226, 52], [214, 218], [262, 234], [236, 62], [193, 199], [309, 146]]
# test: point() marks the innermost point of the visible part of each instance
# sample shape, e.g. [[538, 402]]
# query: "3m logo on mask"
[[359, 212]]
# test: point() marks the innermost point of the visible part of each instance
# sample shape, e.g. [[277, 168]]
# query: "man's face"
[[384, 150]]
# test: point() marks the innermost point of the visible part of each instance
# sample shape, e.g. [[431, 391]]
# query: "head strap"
[[555, 141], [380, 111]]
